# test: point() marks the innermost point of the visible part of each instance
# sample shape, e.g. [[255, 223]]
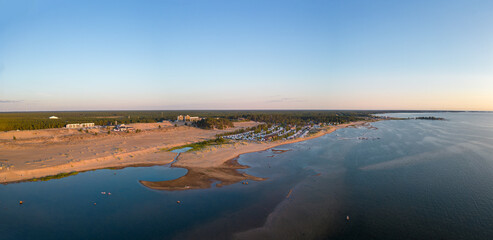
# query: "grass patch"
[[113, 168], [201, 145], [57, 176]]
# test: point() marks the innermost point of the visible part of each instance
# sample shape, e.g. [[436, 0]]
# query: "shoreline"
[[214, 157], [189, 159], [213, 164]]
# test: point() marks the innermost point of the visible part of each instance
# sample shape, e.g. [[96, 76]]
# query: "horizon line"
[[176, 110]]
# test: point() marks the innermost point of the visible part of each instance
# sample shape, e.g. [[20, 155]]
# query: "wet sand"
[[199, 178]]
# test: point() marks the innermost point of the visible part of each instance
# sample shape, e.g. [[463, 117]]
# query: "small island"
[[428, 118]]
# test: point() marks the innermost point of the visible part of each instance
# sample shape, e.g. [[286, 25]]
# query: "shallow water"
[[413, 179]]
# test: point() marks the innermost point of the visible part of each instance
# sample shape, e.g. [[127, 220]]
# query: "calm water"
[[412, 179]]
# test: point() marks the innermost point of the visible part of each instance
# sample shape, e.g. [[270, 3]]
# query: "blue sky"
[[246, 54]]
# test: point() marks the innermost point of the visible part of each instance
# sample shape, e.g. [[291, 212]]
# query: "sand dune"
[[47, 152]]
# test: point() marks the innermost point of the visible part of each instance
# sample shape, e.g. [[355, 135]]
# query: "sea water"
[[399, 179]]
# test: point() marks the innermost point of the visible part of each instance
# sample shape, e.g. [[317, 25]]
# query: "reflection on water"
[[400, 180]]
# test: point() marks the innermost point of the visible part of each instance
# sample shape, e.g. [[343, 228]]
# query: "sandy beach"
[[40, 153]]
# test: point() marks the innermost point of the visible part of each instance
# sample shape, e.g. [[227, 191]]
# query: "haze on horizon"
[[255, 54]]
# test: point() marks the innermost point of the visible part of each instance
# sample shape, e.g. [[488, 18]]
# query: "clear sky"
[[246, 54]]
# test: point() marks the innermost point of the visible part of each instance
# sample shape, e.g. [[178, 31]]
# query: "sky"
[[246, 54]]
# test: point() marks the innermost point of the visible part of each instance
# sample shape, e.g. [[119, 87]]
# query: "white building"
[[53, 117], [195, 119], [187, 118]]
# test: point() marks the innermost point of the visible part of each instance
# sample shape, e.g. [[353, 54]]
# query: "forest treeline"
[[214, 123], [40, 120]]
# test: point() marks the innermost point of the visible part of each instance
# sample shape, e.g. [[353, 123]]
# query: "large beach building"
[[195, 119], [187, 118]]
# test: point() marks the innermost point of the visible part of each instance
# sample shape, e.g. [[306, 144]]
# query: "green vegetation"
[[260, 128], [214, 123], [242, 130], [40, 120], [256, 129], [201, 145], [57, 176]]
